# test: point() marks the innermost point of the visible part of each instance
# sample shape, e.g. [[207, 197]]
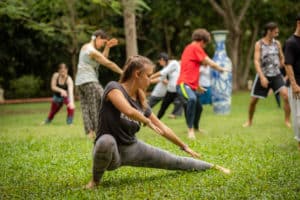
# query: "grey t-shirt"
[[115, 123]]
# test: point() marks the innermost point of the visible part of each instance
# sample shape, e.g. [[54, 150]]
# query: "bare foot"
[[288, 124], [191, 134], [247, 124], [222, 169], [171, 116], [203, 131], [91, 185]]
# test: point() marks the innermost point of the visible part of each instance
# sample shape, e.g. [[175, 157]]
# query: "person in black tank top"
[[292, 67], [62, 87], [123, 111]]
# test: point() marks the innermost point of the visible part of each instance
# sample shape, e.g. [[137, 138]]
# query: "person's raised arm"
[[214, 65], [100, 58], [110, 43], [155, 75], [54, 87]]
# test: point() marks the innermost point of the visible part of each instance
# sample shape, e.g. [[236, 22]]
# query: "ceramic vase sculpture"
[[221, 87]]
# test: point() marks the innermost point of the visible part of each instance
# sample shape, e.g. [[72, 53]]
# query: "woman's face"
[[144, 77], [63, 70], [275, 32], [162, 62], [99, 42]]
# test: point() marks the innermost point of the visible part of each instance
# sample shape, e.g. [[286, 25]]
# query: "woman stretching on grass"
[[122, 112]]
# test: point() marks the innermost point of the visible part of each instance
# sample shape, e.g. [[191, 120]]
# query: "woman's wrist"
[[184, 147], [147, 122]]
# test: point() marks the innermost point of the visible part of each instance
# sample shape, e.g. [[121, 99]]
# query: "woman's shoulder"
[[69, 79], [87, 47], [112, 85], [55, 75]]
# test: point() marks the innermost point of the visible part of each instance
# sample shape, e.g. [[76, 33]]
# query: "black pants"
[[168, 99]]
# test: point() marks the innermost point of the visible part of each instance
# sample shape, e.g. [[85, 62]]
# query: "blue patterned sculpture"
[[221, 87]]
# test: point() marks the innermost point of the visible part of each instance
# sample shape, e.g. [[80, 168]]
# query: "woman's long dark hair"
[[133, 64]]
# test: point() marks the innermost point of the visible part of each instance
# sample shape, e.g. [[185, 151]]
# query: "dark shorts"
[[275, 83]]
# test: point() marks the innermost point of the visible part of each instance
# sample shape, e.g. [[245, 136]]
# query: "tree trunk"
[[168, 40], [234, 52], [74, 41], [130, 27], [245, 72]]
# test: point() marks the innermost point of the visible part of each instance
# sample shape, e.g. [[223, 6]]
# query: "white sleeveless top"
[[87, 68]]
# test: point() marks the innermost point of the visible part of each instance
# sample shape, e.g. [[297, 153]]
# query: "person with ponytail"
[[89, 88], [123, 111]]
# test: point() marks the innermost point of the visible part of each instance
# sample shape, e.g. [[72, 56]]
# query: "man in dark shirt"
[[292, 66]]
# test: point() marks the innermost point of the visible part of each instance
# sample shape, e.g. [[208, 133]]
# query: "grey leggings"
[[109, 156]]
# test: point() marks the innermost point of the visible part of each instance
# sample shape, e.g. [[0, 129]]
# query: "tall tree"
[[130, 9], [130, 27], [232, 16]]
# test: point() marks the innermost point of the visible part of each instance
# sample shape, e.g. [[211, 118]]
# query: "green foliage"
[[25, 86], [42, 33], [55, 161]]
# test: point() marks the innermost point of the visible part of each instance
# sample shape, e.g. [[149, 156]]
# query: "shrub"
[[26, 86]]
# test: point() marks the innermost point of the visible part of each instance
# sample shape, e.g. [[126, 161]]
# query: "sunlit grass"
[[54, 161]]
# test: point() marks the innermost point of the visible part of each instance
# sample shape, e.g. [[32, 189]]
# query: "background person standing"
[[188, 82], [292, 67], [63, 88], [90, 90], [268, 57]]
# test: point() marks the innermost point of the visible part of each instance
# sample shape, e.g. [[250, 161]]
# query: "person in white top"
[[205, 82], [158, 92], [90, 90], [170, 70]]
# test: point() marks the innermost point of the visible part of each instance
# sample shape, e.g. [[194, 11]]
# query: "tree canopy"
[[37, 35]]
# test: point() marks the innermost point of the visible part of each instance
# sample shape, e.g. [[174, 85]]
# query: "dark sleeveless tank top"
[[63, 86]]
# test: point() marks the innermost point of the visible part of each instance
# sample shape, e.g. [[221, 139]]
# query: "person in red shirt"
[[188, 82]]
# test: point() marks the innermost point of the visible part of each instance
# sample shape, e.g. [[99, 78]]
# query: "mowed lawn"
[[54, 161]]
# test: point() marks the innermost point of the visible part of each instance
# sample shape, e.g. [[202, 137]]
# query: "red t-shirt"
[[191, 59]]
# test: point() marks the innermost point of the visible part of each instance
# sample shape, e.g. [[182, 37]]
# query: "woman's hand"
[[191, 152], [296, 91], [264, 82], [226, 69], [71, 105], [201, 89], [112, 42], [63, 93]]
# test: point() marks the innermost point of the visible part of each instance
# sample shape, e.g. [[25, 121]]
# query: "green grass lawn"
[[54, 161]]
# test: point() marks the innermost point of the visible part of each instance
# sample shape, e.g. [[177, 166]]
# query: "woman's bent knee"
[[105, 143]]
